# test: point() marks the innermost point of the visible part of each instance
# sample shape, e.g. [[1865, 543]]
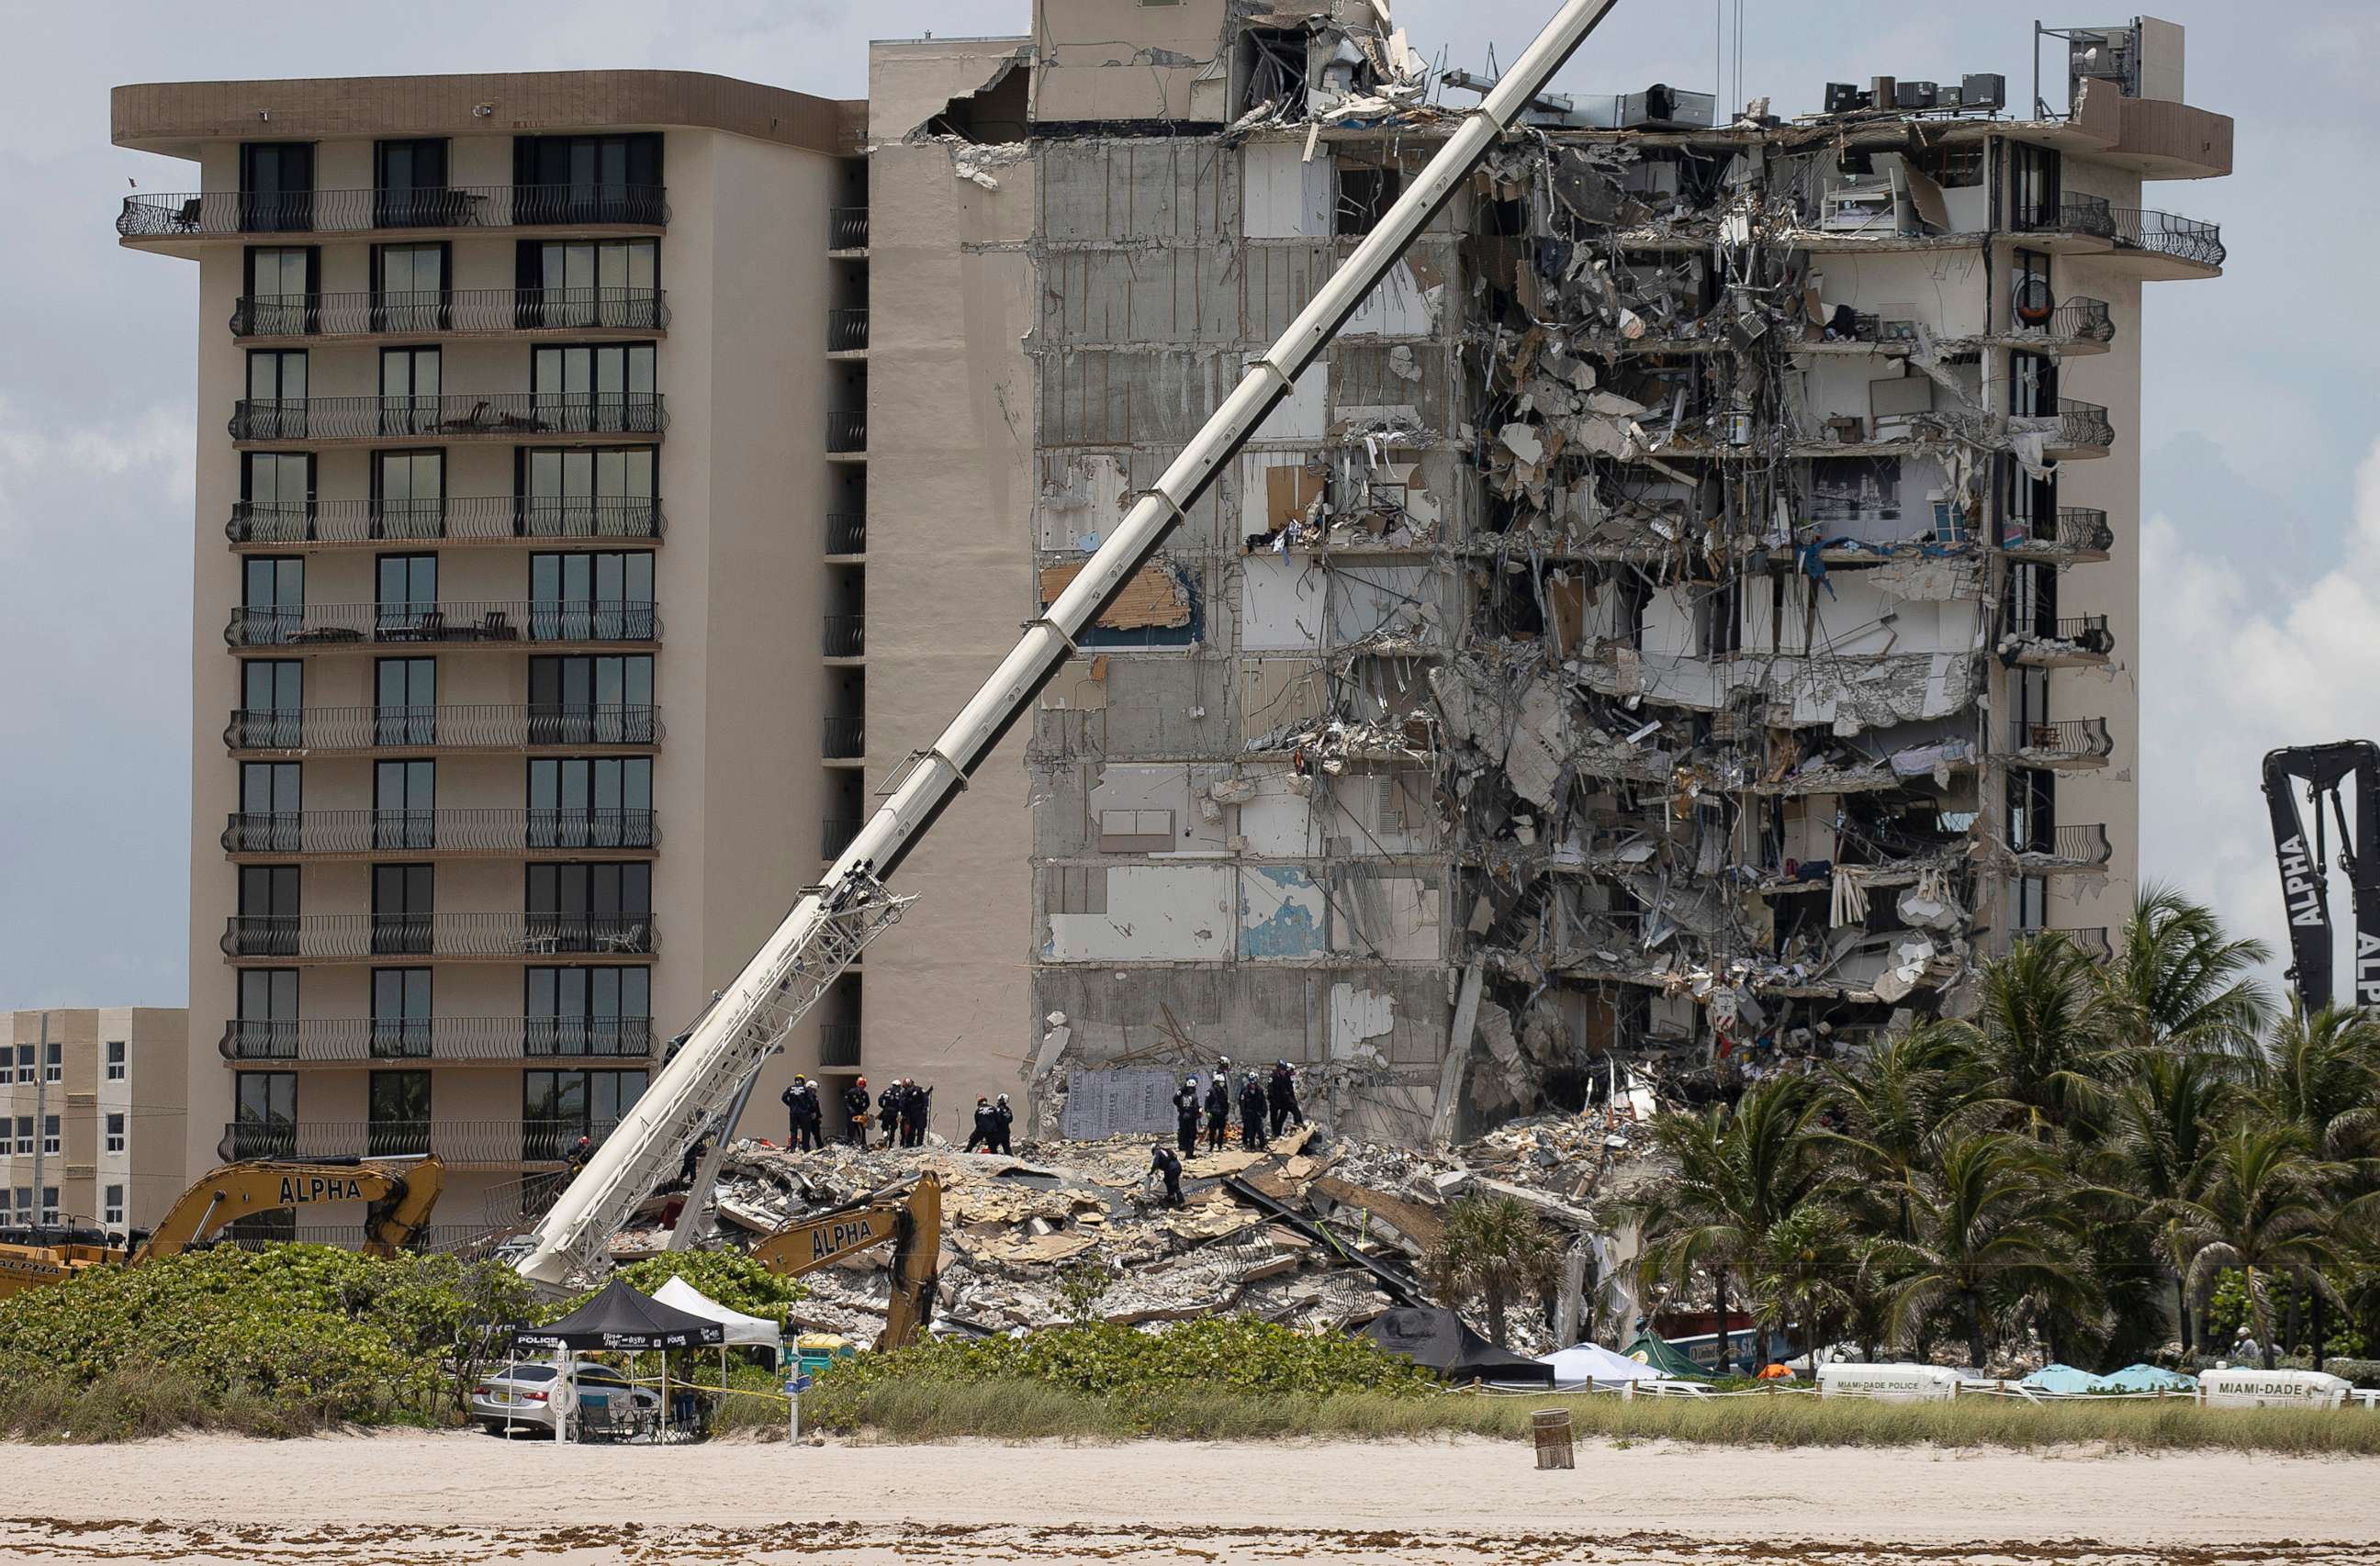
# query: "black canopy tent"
[[1437, 1339], [622, 1319]]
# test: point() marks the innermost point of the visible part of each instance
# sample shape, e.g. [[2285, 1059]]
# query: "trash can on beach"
[[1552, 1428]]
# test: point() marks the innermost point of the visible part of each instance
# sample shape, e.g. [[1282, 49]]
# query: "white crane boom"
[[832, 922]]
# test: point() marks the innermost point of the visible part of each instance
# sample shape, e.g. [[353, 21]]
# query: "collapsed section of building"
[[1679, 628]]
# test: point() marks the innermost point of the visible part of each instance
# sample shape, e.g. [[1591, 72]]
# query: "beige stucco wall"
[[148, 1098]]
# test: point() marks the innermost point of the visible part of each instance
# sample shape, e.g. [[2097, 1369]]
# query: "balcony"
[[2073, 532], [845, 636], [2084, 217], [836, 833], [494, 1040], [453, 416], [209, 214], [846, 228], [2083, 429], [846, 532], [452, 312], [357, 834], [351, 937], [2073, 746], [846, 331], [2064, 848], [2173, 247], [2073, 642], [839, 1046], [507, 622], [457, 519], [846, 432], [503, 1143], [2079, 326], [844, 739], [443, 728]]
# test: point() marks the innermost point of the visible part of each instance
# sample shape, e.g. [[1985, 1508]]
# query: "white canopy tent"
[[1591, 1364], [740, 1330]]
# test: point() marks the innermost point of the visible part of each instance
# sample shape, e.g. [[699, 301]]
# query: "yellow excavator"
[[913, 1222], [400, 1193]]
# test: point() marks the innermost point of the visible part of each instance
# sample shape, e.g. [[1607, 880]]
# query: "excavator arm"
[[913, 1224], [400, 1192], [2305, 859]]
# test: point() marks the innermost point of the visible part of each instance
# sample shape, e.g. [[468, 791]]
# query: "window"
[[2031, 301], [264, 1114], [24, 1133], [272, 599], [399, 1120], [408, 494], [2038, 187], [51, 1141], [583, 179], [595, 387], [1364, 195], [276, 184], [276, 497], [590, 283], [2032, 385], [604, 802], [276, 395], [589, 1010], [112, 1206], [409, 185], [266, 1028], [607, 596], [267, 921], [282, 285], [115, 1059], [409, 384], [591, 701], [406, 597], [49, 1204], [405, 805], [2032, 810], [24, 1204], [53, 1062], [270, 803], [591, 907], [1136, 831], [271, 702], [400, 1012], [402, 916], [405, 702], [115, 1132], [558, 1107], [27, 1062], [579, 494], [2033, 599]]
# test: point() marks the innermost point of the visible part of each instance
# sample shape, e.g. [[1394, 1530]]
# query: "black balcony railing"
[[2073, 215], [510, 619], [836, 833], [340, 937], [845, 636], [846, 532], [846, 330], [844, 738], [839, 1045], [436, 1038], [457, 517], [2081, 529], [2086, 633], [452, 310], [459, 727], [847, 229], [342, 211], [456, 1141], [2074, 739], [2184, 238], [2080, 320], [2083, 426], [846, 430], [438, 832], [2086, 845], [451, 416]]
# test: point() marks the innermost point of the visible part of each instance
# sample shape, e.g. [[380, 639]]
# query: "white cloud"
[[2228, 675]]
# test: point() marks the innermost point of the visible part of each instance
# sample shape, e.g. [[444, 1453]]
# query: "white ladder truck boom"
[[832, 922]]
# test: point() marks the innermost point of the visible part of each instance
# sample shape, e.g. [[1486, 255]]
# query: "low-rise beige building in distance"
[[93, 1119]]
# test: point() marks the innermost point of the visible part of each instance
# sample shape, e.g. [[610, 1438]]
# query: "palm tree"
[[1734, 1176], [2167, 1120], [2036, 1031], [2320, 1072], [1897, 1104], [1494, 1245], [1805, 1269], [1991, 1227], [2178, 982], [2265, 1209]]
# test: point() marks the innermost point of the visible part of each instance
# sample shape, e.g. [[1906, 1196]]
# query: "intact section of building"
[[93, 1118], [520, 701]]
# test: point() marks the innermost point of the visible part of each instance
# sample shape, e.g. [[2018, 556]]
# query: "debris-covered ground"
[[1352, 1226]]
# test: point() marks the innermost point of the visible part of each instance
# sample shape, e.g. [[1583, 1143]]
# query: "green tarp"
[[1650, 1350]]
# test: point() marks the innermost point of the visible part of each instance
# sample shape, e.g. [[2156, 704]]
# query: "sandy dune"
[[428, 1500]]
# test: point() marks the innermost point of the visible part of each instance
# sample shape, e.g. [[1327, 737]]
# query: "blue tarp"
[[2061, 1378], [2132, 1378], [2149, 1378]]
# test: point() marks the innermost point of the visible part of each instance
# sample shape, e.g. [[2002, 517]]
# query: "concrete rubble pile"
[[1361, 1219]]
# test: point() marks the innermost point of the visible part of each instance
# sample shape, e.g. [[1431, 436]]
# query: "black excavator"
[[2319, 769]]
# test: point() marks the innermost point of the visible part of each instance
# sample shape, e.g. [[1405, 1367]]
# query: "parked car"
[[518, 1398]]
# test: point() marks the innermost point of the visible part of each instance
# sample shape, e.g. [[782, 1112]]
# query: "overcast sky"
[[2260, 451]]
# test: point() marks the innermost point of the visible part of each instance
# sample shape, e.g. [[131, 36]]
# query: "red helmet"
[[863, 1082]]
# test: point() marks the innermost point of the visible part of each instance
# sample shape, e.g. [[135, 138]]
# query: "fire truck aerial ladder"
[[2305, 865], [831, 923]]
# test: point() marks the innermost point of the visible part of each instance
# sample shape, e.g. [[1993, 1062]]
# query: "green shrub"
[[732, 1277]]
